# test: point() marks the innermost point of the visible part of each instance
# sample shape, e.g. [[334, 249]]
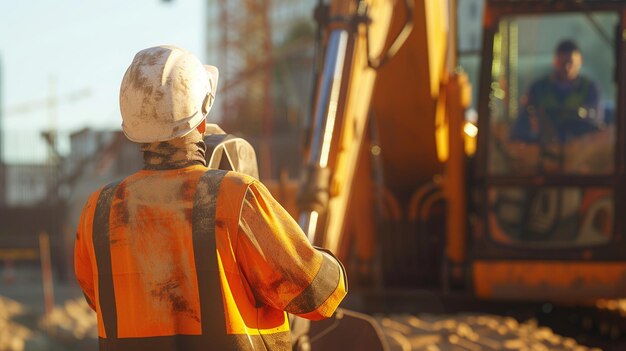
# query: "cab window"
[[553, 95], [552, 110]]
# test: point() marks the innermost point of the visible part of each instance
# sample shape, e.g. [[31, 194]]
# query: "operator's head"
[[567, 60], [166, 93]]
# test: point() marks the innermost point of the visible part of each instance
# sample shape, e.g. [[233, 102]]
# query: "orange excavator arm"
[[381, 94]]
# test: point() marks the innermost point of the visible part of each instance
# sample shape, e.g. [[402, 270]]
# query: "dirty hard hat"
[[166, 93]]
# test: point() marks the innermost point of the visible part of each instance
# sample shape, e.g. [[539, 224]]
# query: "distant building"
[[96, 158], [2, 182], [50, 198], [26, 184], [103, 153]]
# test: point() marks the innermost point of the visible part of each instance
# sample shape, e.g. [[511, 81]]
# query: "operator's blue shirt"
[[564, 110]]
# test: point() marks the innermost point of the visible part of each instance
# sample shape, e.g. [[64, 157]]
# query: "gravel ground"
[[12, 335], [473, 332], [22, 327], [71, 326]]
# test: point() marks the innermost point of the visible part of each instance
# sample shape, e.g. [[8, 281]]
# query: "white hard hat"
[[166, 93]]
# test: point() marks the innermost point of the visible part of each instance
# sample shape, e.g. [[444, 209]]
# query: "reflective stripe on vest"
[[102, 250]]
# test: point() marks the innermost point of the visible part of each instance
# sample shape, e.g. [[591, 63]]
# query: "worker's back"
[[162, 283], [152, 254]]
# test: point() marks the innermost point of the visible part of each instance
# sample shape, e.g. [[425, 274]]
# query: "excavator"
[[412, 193]]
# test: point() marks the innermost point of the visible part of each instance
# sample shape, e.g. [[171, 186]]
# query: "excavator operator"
[[179, 257], [562, 105]]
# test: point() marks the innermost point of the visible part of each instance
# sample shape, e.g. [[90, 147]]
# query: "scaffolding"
[[244, 40], [246, 56]]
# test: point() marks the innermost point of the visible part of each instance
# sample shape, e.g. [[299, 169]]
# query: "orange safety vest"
[[163, 246]]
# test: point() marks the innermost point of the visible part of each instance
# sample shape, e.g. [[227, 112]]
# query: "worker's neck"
[[176, 153]]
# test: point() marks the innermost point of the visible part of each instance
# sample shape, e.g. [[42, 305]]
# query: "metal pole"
[[2, 170], [1, 130], [46, 272]]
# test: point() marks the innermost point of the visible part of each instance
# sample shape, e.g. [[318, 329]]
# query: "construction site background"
[[266, 54]]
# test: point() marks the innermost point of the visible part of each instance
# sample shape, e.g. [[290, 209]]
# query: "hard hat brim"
[[214, 75]]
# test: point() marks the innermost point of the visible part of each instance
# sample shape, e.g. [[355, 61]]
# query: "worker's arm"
[[283, 269], [82, 261]]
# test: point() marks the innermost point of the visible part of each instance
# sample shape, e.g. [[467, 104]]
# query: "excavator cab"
[[549, 177]]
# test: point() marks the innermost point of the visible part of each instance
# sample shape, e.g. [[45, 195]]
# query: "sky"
[[79, 51]]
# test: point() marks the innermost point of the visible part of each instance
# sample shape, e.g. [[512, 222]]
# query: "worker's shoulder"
[[232, 177], [586, 79], [92, 200], [587, 82]]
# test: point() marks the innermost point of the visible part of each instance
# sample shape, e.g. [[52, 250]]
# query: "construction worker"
[[562, 105], [180, 257]]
